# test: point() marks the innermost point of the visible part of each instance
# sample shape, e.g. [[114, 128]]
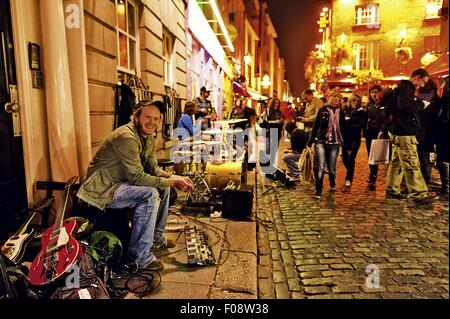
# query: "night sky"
[[298, 33]]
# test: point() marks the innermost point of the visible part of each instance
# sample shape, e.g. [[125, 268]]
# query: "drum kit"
[[209, 172]]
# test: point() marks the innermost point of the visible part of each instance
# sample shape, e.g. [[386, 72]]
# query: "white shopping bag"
[[379, 152], [300, 125]]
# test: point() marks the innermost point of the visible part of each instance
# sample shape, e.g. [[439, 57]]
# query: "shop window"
[[168, 57], [367, 15], [127, 34], [432, 10], [366, 55]]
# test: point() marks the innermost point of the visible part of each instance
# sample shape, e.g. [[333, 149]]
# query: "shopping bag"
[[379, 152], [306, 165], [300, 125]]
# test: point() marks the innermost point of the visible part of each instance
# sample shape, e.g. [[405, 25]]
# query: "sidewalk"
[[233, 276]]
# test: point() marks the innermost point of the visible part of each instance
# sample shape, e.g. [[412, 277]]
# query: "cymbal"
[[236, 121]]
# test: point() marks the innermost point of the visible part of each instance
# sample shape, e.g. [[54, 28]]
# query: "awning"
[[438, 68], [238, 89]]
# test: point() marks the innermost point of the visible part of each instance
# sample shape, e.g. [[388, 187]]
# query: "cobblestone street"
[[309, 248]]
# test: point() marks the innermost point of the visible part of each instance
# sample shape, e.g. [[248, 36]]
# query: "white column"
[[60, 118], [76, 45]]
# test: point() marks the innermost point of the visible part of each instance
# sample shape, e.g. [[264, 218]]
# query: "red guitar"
[[59, 250]]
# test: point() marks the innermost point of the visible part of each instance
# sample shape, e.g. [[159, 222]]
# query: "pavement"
[[348, 245], [333, 247]]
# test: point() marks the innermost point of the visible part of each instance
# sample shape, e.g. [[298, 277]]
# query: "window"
[[433, 7], [366, 55], [168, 44], [367, 15], [431, 43], [127, 36]]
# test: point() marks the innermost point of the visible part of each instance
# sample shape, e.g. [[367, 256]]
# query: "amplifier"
[[238, 203]]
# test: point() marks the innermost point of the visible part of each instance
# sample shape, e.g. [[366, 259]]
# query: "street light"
[[266, 81], [325, 9], [247, 59], [342, 37]]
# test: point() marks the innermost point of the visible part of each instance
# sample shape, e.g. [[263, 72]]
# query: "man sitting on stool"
[[299, 138], [124, 174]]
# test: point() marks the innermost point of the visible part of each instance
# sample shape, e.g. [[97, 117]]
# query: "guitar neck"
[[63, 208]]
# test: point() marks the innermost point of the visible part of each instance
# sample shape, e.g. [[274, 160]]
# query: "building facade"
[[383, 39], [66, 60]]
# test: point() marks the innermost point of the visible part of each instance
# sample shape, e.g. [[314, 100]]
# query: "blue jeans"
[[291, 160], [325, 154], [149, 219]]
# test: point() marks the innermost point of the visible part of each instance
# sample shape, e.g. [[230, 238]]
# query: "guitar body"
[[15, 246], [58, 253]]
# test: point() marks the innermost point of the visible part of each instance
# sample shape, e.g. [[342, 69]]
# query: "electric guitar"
[[15, 246], [60, 250]]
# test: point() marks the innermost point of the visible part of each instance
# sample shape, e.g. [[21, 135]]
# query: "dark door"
[[13, 198]]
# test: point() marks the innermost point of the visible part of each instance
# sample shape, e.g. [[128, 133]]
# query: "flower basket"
[[403, 54]]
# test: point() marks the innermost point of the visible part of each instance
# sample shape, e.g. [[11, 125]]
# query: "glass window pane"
[[132, 55], [123, 50], [121, 15], [131, 20]]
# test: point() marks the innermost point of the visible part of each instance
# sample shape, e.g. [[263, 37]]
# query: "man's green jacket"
[[123, 157]]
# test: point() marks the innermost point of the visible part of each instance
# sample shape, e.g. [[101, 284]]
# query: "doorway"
[[13, 196]]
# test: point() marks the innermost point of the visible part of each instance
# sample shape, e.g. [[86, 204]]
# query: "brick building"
[[389, 36]]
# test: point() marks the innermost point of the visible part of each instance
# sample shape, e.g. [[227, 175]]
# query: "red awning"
[[238, 89], [438, 68]]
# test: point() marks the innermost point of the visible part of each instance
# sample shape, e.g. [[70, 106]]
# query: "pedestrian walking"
[[405, 160], [355, 121], [426, 91], [440, 117], [376, 119], [327, 137]]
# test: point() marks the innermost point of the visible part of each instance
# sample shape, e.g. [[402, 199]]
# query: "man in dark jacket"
[[405, 160], [427, 91], [299, 138], [376, 116]]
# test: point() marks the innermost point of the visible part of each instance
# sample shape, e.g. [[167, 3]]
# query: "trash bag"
[[306, 165], [379, 152]]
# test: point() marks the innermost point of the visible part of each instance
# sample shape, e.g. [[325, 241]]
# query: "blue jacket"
[[186, 123]]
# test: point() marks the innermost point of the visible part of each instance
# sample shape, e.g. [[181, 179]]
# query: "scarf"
[[334, 129]]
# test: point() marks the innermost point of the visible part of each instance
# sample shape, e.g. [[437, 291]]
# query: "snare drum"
[[220, 174]]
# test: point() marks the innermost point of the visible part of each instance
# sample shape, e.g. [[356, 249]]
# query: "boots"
[[443, 168], [372, 181]]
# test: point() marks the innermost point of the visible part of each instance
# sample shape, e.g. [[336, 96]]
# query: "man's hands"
[[181, 183]]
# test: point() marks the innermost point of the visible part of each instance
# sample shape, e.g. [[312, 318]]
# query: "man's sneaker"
[[424, 201], [155, 265], [292, 177], [371, 186], [392, 195], [317, 195], [348, 184], [167, 243], [332, 189]]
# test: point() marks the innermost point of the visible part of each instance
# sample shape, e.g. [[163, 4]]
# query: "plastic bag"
[[379, 152]]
